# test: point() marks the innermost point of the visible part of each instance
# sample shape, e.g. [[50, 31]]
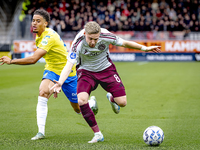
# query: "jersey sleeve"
[[114, 39], [75, 47]]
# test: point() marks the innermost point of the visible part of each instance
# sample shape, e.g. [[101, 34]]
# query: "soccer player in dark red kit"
[[90, 51]]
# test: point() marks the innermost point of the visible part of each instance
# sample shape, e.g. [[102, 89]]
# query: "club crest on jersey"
[[73, 55], [101, 47]]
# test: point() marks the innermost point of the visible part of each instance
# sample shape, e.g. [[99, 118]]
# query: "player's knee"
[[82, 101], [43, 93], [122, 103]]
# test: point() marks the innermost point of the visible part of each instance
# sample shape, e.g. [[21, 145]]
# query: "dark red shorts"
[[108, 79]]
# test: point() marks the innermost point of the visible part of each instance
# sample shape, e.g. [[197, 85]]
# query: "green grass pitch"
[[165, 94]]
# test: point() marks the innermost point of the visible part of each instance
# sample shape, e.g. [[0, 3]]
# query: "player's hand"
[[56, 89], [155, 49], [5, 59]]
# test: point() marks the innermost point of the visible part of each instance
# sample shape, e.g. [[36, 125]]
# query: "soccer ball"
[[93, 104], [153, 136]]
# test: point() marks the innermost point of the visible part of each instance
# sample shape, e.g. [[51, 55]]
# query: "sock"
[[112, 99], [89, 117], [95, 128], [42, 110]]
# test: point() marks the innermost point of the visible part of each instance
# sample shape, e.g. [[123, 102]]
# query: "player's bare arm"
[[134, 45], [63, 76], [24, 61]]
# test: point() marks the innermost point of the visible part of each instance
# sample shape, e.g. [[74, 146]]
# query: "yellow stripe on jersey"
[[56, 56]]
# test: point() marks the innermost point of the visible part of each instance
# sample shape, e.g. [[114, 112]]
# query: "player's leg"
[[112, 83], [76, 107], [42, 109], [44, 94], [86, 84], [89, 117], [70, 90]]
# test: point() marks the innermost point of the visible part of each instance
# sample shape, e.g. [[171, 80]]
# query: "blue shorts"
[[69, 87]]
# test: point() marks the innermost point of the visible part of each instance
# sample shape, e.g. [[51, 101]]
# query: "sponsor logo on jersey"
[[73, 55], [44, 42], [74, 94]]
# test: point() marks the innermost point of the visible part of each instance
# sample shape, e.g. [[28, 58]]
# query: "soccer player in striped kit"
[[90, 51]]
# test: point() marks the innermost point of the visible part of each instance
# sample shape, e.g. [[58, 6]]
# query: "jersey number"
[[117, 78]]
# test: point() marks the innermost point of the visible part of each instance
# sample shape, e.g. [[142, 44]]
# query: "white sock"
[[41, 110]]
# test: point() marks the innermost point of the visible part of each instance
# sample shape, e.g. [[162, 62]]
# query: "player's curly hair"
[[92, 27], [44, 14]]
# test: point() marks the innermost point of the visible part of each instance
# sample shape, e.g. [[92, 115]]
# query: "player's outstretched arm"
[[63, 76], [134, 45], [24, 61]]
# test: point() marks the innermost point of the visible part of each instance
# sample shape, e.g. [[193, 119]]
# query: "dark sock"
[[88, 115]]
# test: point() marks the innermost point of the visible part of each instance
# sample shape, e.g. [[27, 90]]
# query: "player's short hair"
[[44, 14], [92, 27]]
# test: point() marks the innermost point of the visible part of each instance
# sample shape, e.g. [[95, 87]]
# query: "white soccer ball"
[[93, 104], [153, 135]]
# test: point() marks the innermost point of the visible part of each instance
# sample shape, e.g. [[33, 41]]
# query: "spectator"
[[187, 19], [131, 25], [106, 23], [110, 6], [196, 26], [111, 15], [62, 5], [113, 25], [172, 26], [79, 25], [172, 14], [135, 17], [125, 12], [119, 11], [158, 13], [161, 25], [141, 26], [101, 13], [68, 26], [94, 13], [147, 26], [154, 5], [125, 26], [177, 27]]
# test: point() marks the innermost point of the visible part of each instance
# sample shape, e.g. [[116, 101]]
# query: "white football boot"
[[98, 137], [38, 136], [93, 104], [115, 107]]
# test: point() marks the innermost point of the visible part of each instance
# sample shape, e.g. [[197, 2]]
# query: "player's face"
[[38, 24], [92, 39]]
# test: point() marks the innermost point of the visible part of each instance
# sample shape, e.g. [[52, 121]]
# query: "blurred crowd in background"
[[120, 15]]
